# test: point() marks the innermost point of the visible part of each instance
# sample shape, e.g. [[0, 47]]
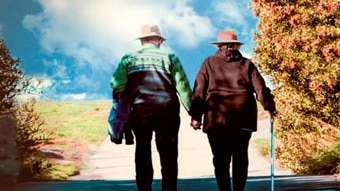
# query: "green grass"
[[77, 127], [77, 121], [263, 145]]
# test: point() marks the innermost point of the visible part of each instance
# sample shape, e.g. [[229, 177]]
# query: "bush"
[[325, 161], [263, 145], [30, 136], [27, 124], [298, 48]]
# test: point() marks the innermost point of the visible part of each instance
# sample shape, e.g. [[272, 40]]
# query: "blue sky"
[[75, 45]]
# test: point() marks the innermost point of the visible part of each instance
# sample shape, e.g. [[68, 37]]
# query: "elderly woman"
[[224, 95]]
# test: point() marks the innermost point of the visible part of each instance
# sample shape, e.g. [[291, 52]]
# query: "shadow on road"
[[293, 182]]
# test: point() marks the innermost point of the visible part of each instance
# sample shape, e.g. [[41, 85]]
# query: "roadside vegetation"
[[263, 145], [75, 129], [80, 121], [297, 46], [52, 138], [26, 161], [78, 127]]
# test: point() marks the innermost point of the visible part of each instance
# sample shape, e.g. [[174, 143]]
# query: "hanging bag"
[[118, 122]]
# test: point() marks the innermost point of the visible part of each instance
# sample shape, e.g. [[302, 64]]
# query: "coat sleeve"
[[181, 82], [199, 93], [119, 78], [263, 93]]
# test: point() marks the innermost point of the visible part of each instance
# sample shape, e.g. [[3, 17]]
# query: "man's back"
[[149, 72]]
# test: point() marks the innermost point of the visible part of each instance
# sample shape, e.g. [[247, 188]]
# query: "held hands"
[[195, 124]]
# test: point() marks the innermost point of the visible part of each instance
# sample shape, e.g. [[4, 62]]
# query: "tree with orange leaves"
[[298, 47]]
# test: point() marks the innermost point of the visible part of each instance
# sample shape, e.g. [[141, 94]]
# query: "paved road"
[[116, 162]]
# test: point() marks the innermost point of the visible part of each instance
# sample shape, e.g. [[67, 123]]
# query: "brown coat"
[[224, 92]]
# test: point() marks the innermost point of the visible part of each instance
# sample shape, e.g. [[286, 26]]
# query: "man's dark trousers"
[[164, 120]]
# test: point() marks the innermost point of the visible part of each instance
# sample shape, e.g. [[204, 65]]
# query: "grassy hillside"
[[81, 121], [77, 127], [76, 120]]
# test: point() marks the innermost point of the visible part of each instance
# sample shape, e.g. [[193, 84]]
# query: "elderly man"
[[151, 80], [224, 93]]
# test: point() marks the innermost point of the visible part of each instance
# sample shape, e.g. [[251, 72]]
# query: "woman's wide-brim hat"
[[150, 30], [226, 36]]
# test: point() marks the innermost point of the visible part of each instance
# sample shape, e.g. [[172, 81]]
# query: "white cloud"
[[75, 97], [102, 30], [58, 69], [37, 85], [232, 12], [35, 88]]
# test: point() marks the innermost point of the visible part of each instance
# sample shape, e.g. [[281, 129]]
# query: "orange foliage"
[[298, 46]]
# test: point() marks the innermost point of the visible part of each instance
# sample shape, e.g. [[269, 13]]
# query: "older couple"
[[154, 83]]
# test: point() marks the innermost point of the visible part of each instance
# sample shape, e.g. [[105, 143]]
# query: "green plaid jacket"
[[151, 75]]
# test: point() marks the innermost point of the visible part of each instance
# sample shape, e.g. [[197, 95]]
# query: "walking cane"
[[272, 153]]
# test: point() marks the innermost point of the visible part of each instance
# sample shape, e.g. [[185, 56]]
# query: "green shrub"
[[325, 161], [263, 145], [30, 136]]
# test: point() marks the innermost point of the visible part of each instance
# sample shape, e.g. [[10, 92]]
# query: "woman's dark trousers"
[[227, 146]]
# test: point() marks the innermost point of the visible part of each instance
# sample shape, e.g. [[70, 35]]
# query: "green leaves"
[[298, 47]]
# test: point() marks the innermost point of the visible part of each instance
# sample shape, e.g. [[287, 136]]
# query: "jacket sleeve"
[[119, 77], [199, 93], [181, 82], [263, 93]]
